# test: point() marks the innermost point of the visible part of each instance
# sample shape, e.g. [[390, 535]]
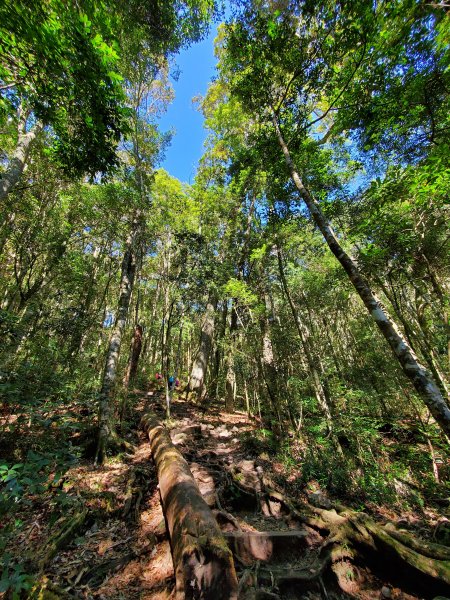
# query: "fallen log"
[[202, 561], [61, 537], [44, 589]]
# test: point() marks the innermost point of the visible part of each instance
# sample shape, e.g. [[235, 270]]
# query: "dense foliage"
[[228, 280]]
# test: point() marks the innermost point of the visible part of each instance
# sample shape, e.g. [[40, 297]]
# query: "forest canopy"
[[302, 279]]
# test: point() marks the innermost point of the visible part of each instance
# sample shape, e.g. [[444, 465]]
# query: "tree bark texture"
[[409, 363], [135, 353], [202, 561], [106, 408], [200, 366], [269, 369], [18, 160]]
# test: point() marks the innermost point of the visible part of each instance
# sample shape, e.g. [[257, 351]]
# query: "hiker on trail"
[[171, 382], [177, 382], [159, 380]]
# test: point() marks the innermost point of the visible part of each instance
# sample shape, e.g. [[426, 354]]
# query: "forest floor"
[[110, 541]]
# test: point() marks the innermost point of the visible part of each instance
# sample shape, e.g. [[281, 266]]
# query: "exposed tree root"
[[432, 550], [129, 494], [62, 536], [434, 567], [351, 533], [224, 514], [350, 538], [203, 563], [134, 494], [114, 444], [95, 576]]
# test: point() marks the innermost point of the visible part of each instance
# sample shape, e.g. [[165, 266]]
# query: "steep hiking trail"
[[114, 541]]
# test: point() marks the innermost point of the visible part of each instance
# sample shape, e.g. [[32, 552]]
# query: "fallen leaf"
[[104, 546]]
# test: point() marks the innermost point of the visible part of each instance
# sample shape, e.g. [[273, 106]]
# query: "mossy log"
[[62, 536], [44, 589], [203, 563]]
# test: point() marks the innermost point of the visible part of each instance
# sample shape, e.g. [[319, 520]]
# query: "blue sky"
[[196, 66]]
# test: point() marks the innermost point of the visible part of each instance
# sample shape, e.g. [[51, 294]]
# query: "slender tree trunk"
[[269, 369], [19, 159], [131, 370], [166, 324], [101, 309], [177, 368], [215, 379], [165, 361], [6, 229], [135, 353], [135, 347], [427, 348], [332, 350], [26, 328], [418, 339], [408, 361], [305, 340], [247, 399], [106, 405], [230, 382], [200, 366], [76, 342], [32, 290], [152, 335]]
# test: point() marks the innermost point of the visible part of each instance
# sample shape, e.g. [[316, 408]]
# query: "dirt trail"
[[122, 551]]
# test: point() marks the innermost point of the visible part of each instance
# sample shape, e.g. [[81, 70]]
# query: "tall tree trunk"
[[305, 340], [131, 370], [269, 369], [177, 367], [27, 326], [135, 353], [417, 339], [152, 333], [106, 406], [135, 348], [416, 373], [77, 338], [247, 399], [166, 321], [230, 382], [19, 158], [200, 366], [215, 378], [165, 359]]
